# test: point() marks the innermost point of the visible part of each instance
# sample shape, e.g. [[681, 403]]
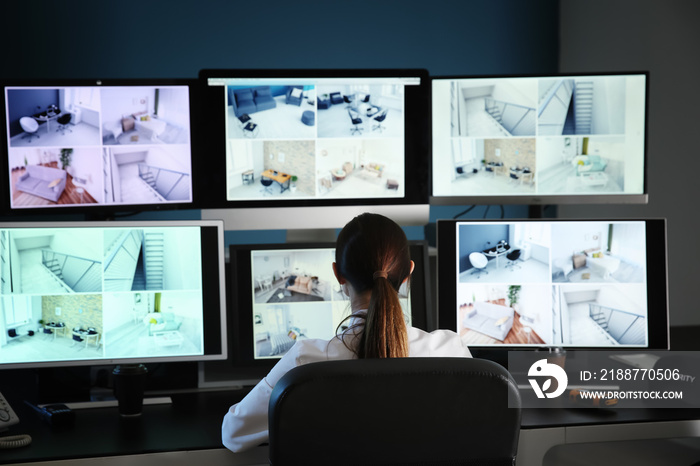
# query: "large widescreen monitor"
[[540, 139], [280, 293], [88, 293], [285, 140], [97, 146], [582, 284]]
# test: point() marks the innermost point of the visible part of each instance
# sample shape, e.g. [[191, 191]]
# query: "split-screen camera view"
[[92, 293], [524, 136], [72, 146], [319, 140], [296, 296], [552, 284]]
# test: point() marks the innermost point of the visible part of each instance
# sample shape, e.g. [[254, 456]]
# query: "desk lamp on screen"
[[306, 149], [100, 293], [593, 284], [539, 139], [97, 147]]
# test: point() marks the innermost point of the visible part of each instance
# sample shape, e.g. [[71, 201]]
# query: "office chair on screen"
[[356, 121], [513, 257], [63, 122], [267, 185], [379, 118], [395, 411]]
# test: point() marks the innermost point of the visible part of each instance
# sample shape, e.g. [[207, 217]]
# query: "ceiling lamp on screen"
[[539, 140]]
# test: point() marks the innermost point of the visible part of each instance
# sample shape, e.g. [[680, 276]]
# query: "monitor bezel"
[[97, 211], [416, 136], [657, 275], [215, 337], [550, 199]]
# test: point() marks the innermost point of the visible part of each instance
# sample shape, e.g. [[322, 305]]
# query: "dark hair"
[[368, 244]]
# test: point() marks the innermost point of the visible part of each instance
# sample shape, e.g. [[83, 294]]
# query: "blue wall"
[[26, 103], [477, 238], [175, 38]]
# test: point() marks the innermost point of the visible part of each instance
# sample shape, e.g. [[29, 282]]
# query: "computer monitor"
[[540, 139], [280, 293], [97, 146], [89, 293], [584, 284], [291, 149]]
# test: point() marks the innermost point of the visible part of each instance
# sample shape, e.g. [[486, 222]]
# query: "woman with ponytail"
[[372, 261]]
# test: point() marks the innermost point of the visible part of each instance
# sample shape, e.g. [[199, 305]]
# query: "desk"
[[186, 432], [87, 337], [554, 429], [46, 117], [189, 432], [497, 253], [282, 178], [56, 328]]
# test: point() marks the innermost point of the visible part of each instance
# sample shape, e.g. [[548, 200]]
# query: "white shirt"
[[245, 424]]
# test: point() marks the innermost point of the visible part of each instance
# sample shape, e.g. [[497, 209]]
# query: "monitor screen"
[[97, 146], [554, 283], [296, 138], [539, 140], [111, 292], [279, 293]]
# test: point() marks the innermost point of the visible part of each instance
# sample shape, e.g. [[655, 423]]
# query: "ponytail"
[[385, 334]]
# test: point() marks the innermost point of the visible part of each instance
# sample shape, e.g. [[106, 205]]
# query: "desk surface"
[[191, 422], [190, 429], [277, 176]]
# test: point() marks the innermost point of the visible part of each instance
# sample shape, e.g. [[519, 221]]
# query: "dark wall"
[[28, 102], [478, 238], [172, 38], [661, 37]]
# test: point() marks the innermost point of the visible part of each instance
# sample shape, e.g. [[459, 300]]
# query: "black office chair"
[[357, 121], [395, 411], [366, 98], [348, 100], [63, 122], [267, 183], [381, 116], [513, 257]]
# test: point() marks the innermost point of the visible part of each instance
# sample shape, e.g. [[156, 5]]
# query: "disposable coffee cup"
[[129, 385]]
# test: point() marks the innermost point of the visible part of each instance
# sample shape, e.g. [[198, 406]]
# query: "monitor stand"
[[320, 235]]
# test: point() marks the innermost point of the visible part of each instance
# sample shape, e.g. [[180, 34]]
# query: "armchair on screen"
[[294, 95], [336, 98], [407, 411]]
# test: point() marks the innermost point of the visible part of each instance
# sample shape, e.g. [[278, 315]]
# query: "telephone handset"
[[7, 415], [7, 419]]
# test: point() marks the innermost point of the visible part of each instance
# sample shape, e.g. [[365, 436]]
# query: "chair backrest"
[[395, 411], [266, 181], [478, 259], [513, 255], [29, 124], [382, 115], [65, 118]]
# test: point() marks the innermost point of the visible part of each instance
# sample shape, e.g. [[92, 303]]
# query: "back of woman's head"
[[372, 254]]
